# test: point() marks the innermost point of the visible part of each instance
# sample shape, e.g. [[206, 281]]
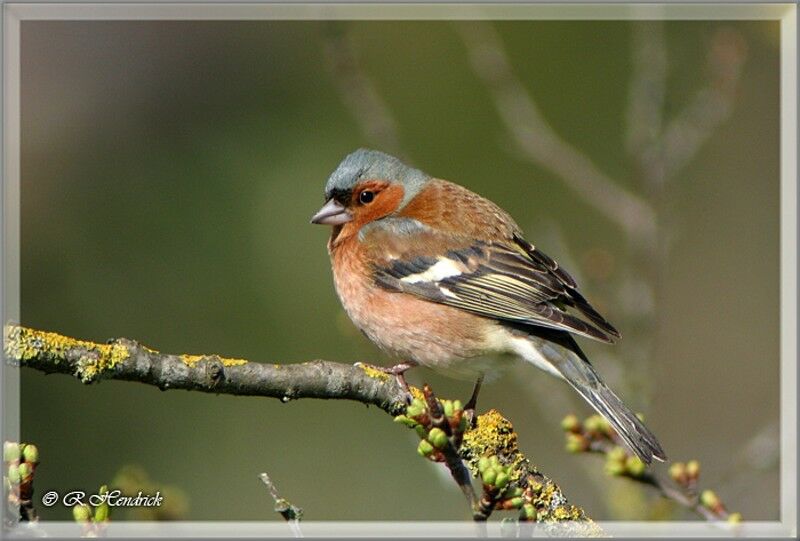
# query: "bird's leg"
[[398, 371], [469, 408], [473, 400]]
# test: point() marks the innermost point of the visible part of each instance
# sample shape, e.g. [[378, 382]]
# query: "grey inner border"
[[14, 13]]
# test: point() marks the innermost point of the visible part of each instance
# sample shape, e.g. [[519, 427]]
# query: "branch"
[[712, 104], [128, 360], [541, 145], [595, 435], [647, 85], [125, 359]]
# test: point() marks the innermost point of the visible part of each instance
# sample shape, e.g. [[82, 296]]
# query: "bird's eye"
[[366, 197]]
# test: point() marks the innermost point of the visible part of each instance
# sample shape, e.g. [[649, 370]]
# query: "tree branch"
[[540, 144], [128, 360]]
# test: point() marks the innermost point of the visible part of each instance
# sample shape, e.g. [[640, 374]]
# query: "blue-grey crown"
[[364, 164]]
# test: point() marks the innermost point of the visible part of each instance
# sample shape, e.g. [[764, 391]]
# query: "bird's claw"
[[398, 371]]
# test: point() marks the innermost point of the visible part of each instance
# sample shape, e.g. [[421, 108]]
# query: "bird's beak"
[[332, 213]]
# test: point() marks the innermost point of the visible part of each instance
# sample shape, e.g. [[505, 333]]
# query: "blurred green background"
[[169, 170]]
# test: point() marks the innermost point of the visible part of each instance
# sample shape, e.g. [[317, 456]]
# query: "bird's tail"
[[566, 360]]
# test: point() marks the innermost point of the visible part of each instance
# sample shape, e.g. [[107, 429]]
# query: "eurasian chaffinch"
[[438, 275]]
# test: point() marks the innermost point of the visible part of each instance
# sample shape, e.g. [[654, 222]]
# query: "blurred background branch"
[[540, 144]]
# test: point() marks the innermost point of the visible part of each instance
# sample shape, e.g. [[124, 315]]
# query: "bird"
[[437, 275]]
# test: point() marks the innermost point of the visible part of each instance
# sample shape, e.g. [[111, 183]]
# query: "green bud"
[[576, 443], [495, 462], [11, 451], [635, 466], [489, 476], [101, 512], [677, 472], [735, 518], [709, 499], [25, 470], [605, 426], [31, 454], [617, 453], [402, 419], [81, 513], [529, 511], [693, 469], [516, 491], [420, 430], [447, 406], [438, 438], [517, 502], [593, 423], [457, 405], [483, 463], [614, 467], [414, 411], [570, 423], [425, 448], [462, 424], [501, 480], [13, 474]]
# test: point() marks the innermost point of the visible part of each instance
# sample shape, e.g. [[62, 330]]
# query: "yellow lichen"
[[192, 360], [23, 344], [493, 435], [417, 393], [373, 372]]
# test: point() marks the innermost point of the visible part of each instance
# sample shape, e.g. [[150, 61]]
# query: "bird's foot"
[[469, 407], [398, 371]]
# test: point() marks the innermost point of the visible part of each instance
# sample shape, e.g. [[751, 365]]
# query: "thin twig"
[[541, 145], [452, 459], [687, 499], [710, 107], [290, 513], [647, 85]]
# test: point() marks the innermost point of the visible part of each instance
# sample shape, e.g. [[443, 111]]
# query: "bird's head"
[[368, 185]]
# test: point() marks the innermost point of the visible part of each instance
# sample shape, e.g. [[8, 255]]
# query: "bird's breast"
[[404, 325]]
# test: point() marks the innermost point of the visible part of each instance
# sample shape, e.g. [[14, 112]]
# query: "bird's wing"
[[509, 281]]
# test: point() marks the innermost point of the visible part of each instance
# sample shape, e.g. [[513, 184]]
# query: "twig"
[[712, 105], [128, 360], [450, 451], [541, 145], [595, 435], [647, 85], [357, 90], [290, 513], [690, 501]]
